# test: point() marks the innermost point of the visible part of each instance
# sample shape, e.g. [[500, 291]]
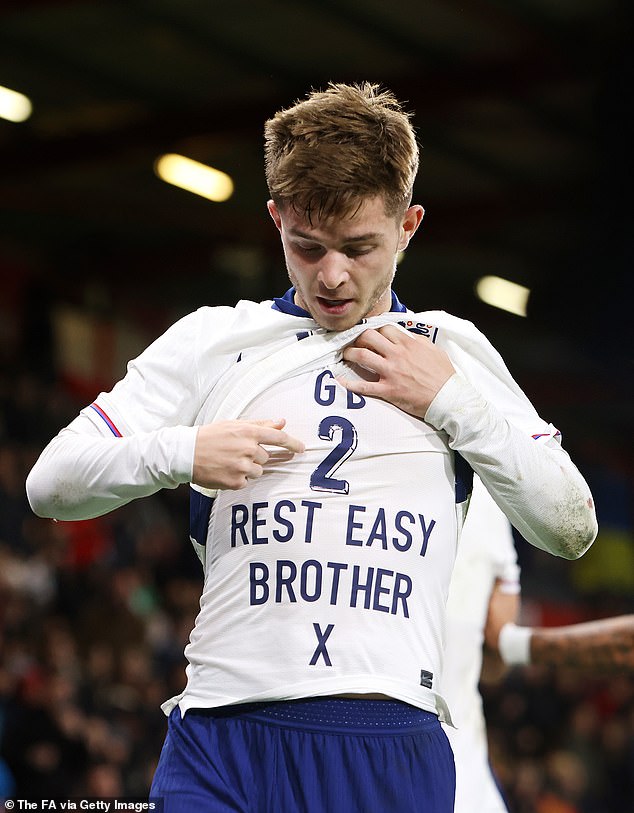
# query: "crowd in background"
[[94, 617]]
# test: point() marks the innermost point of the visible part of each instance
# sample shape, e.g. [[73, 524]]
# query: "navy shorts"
[[322, 755]]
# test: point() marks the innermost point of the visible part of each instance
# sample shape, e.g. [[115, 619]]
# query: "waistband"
[[332, 714]]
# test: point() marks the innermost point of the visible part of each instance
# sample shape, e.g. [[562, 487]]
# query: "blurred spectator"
[[94, 617]]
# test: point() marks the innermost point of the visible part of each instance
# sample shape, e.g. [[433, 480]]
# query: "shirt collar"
[[286, 304]]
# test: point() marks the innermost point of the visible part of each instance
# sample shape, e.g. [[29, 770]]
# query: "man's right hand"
[[229, 453]]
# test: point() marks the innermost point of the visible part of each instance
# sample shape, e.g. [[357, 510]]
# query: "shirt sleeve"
[[81, 474], [531, 478], [130, 442]]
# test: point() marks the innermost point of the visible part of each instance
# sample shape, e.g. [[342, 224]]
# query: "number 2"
[[322, 478]]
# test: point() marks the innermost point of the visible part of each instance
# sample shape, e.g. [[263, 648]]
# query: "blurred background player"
[[483, 641]]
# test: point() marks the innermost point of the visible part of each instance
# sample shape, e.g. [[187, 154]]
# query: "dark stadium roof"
[[521, 109]]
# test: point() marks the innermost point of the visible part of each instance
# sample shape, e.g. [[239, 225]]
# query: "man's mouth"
[[333, 305]]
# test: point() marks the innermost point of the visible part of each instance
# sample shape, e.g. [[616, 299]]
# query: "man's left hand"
[[409, 369]]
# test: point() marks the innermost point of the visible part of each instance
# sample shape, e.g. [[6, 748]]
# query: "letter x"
[[322, 637]]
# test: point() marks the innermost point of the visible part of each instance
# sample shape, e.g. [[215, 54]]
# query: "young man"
[[482, 610], [328, 436]]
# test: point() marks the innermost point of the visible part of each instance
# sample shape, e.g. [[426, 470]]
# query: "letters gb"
[[327, 390]]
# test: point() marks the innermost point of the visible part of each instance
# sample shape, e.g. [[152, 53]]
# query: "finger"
[[269, 436], [278, 438], [261, 455], [278, 423], [373, 340], [360, 386], [364, 357], [253, 474], [255, 471], [395, 333]]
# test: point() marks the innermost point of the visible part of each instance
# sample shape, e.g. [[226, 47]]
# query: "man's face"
[[342, 270]]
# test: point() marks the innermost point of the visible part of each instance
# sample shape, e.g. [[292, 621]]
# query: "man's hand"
[[229, 453], [409, 369]]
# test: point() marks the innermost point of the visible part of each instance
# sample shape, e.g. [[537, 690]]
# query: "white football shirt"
[[329, 573]]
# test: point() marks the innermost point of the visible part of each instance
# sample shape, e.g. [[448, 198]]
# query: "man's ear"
[[412, 219], [275, 214]]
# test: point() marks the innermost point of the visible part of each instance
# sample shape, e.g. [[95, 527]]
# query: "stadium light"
[[194, 177], [14, 106], [503, 294]]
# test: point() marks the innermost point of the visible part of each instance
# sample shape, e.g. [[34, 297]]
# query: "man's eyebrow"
[[361, 238]]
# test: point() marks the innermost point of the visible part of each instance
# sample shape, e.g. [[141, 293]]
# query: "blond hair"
[[328, 153]]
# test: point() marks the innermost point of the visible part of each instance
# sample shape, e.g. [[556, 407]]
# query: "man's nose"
[[333, 270]]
